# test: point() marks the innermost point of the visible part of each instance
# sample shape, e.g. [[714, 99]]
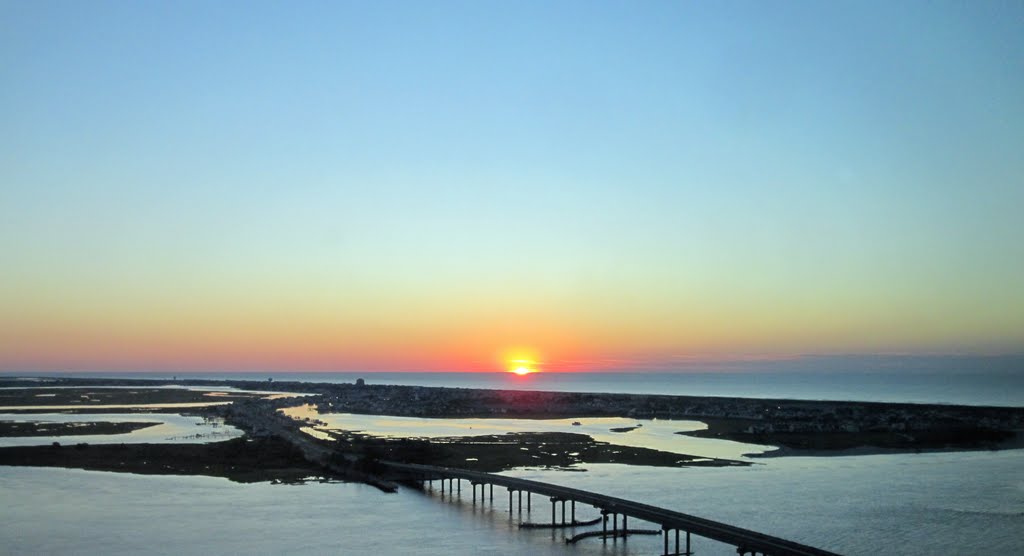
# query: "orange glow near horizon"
[[517, 363]]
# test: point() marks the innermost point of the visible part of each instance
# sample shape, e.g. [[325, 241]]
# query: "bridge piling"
[[745, 541], [687, 552]]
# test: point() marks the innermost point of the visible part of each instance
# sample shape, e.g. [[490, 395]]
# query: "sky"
[[448, 186]]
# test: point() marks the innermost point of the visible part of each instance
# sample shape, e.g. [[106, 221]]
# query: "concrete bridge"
[[670, 522]]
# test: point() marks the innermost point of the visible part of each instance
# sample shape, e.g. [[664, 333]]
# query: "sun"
[[521, 366]]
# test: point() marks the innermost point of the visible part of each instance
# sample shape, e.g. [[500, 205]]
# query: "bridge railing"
[[746, 539]]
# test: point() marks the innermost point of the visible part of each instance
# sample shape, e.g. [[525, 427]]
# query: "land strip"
[[91, 397], [44, 428], [501, 452], [241, 460], [833, 427], [804, 438], [819, 426]]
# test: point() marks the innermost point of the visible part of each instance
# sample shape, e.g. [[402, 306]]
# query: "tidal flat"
[[103, 397], [798, 427], [240, 460], [74, 428]]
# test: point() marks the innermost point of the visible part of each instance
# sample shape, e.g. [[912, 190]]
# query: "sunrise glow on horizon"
[[522, 367], [536, 188]]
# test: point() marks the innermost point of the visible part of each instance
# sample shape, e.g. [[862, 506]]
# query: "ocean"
[[962, 503], [993, 387]]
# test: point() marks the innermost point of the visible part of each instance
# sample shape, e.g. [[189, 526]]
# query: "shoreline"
[[30, 428], [954, 438], [239, 460], [784, 452], [796, 427]]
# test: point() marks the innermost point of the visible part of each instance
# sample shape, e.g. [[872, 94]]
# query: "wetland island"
[[272, 441]]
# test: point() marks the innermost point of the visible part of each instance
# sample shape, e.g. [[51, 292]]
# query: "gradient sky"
[[446, 185]]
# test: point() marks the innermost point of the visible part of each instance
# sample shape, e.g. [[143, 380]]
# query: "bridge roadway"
[[745, 540]]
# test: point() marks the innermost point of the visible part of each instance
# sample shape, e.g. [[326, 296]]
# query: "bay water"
[[1000, 387], [957, 502]]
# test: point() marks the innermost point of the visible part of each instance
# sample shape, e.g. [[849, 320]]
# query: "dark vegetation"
[[41, 428], [500, 452], [31, 394], [953, 436], [241, 460], [820, 427]]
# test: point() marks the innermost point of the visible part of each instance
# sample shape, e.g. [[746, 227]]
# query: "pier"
[[676, 528]]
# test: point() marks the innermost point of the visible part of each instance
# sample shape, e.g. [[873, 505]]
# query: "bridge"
[[670, 522]]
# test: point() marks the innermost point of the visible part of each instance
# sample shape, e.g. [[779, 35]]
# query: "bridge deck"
[[668, 519]]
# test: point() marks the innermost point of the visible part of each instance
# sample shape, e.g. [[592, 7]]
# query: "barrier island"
[[277, 447]]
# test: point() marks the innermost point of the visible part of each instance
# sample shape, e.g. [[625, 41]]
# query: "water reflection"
[[169, 428], [881, 504], [179, 405], [208, 391], [658, 434], [495, 508], [273, 394], [76, 511]]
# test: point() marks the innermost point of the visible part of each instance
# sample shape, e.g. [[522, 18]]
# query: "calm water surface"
[[659, 434], [900, 504], [921, 504], [62, 511], [968, 387], [169, 428], [963, 503]]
